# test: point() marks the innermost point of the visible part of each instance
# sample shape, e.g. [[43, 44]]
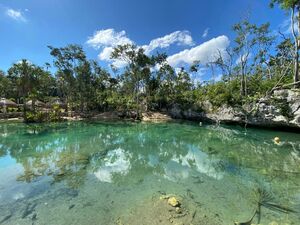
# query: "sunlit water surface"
[[115, 172]]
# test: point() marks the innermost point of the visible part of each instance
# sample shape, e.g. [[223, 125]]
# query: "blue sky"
[[28, 26]]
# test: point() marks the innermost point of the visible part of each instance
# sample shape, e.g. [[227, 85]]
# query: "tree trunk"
[[69, 107], [296, 69], [33, 104], [245, 85], [296, 57], [242, 90], [298, 46], [243, 93], [24, 109]]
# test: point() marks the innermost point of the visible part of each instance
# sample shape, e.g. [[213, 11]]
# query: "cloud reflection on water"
[[180, 166], [116, 162]]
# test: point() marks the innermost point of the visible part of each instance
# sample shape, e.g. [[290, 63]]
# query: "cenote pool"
[[122, 173]]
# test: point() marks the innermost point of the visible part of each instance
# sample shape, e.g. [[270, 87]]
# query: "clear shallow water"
[[115, 173]]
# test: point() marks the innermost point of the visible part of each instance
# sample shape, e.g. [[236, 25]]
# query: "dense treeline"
[[257, 63]]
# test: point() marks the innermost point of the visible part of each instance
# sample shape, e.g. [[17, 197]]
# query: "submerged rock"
[[156, 210], [178, 210], [164, 197], [173, 202]]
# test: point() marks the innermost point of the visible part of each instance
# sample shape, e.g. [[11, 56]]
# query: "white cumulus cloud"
[[106, 53], [177, 37], [107, 39], [16, 15], [203, 53]]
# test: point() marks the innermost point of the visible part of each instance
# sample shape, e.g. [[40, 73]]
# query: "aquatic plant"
[[266, 199]]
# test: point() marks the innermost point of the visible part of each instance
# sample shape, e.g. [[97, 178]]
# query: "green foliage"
[[55, 115], [12, 109], [252, 43], [220, 93], [251, 68], [294, 7], [35, 117], [285, 4]]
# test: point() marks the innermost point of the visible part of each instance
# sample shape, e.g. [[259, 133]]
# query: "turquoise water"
[[119, 172]]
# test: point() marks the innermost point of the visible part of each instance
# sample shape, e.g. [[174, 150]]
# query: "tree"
[[183, 87], [68, 61], [25, 74], [5, 85], [84, 85], [225, 62], [281, 63], [104, 88], [166, 78], [294, 7], [47, 86], [137, 74], [251, 41]]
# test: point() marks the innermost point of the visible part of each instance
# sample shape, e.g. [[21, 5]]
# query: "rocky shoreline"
[[279, 111]]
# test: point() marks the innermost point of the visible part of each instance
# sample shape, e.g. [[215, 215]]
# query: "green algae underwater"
[[123, 172]]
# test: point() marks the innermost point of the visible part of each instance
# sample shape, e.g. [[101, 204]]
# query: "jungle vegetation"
[[257, 62]]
